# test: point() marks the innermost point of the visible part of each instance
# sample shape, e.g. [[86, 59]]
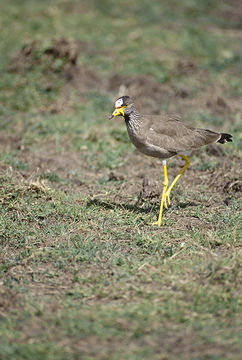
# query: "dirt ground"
[[102, 256], [141, 181]]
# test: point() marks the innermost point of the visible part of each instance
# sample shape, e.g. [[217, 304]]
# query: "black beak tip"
[[111, 116]]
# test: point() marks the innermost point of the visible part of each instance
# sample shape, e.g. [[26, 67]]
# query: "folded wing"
[[170, 133]]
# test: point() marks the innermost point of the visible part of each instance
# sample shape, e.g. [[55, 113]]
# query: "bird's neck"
[[133, 121]]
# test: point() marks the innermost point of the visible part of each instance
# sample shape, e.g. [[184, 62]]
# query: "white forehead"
[[118, 103]]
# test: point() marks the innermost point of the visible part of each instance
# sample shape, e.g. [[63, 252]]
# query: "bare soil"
[[141, 181]]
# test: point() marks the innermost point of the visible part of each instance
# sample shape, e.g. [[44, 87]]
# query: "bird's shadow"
[[184, 205], [134, 207], [113, 205]]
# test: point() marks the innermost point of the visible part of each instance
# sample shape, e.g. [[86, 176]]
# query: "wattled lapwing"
[[164, 136]]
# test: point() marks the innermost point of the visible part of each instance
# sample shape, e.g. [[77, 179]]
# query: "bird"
[[164, 136]]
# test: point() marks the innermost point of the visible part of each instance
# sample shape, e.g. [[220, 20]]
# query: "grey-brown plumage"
[[164, 136]]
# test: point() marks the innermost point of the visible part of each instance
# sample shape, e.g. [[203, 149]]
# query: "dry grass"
[[82, 274]]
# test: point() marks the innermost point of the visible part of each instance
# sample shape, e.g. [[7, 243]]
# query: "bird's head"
[[123, 106]]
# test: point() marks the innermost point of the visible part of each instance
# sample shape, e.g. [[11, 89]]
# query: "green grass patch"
[[82, 273]]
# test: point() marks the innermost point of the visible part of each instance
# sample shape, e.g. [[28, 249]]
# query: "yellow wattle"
[[118, 111]]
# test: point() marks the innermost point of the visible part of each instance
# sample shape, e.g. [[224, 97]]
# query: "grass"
[[83, 275]]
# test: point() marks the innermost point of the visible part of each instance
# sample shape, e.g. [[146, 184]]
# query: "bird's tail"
[[224, 138]]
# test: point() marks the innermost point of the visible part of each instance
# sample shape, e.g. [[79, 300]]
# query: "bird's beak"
[[118, 111]]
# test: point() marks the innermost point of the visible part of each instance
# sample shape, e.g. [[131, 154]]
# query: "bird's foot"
[[155, 223]]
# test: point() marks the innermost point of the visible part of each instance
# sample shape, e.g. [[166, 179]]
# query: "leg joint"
[[186, 159]]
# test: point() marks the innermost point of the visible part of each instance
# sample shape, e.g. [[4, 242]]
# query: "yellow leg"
[[163, 198], [167, 199]]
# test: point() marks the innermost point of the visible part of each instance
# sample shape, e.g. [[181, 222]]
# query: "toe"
[[156, 223]]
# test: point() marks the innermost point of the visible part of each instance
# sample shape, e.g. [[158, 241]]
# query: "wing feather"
[[172, 134]]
